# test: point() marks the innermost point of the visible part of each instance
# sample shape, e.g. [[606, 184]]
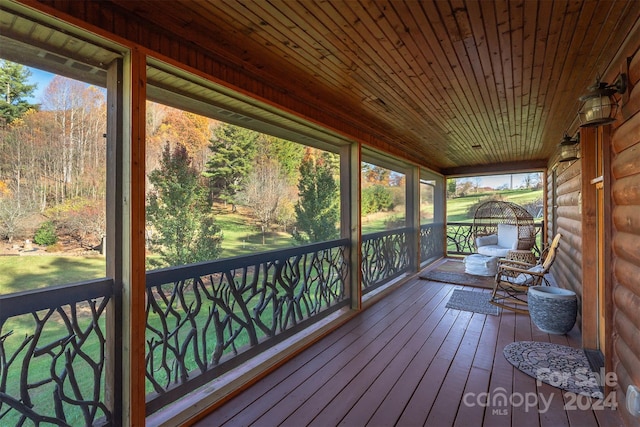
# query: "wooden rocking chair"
[[514, 278]]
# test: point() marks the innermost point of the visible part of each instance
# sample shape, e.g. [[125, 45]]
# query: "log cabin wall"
[[565, 185], [625, 239], [567, 268]]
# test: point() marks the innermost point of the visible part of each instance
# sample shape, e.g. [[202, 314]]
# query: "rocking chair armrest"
[[514, 263]]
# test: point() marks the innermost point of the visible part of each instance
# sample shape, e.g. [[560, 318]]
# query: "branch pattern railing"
[[52, 355], [460, 238], [205, 319], [385, 256], [202, 320], [431, 246]]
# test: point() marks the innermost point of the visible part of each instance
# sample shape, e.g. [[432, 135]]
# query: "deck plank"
[[354, 355], [278, 384], [383, 369], [409, 360]]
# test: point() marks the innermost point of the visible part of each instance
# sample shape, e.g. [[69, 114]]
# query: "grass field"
[[241, 236], [38, 271], [458, 208]]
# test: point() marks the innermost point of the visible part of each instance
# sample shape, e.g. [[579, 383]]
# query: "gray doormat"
[[566, 368], [478, 302]]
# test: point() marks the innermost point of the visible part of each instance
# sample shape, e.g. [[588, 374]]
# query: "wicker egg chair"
[[489, 214]]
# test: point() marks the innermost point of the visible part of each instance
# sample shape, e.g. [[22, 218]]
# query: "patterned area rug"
[[478, 302], [560, 366], [453, 272]]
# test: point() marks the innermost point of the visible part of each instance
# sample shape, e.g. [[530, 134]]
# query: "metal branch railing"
[[385, 256], [52, 355], [431, 245], [460, 238], [204, 319]]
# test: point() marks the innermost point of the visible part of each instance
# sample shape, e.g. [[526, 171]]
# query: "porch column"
[[412, 195], [350, 159], [133, 240], [114, 238]]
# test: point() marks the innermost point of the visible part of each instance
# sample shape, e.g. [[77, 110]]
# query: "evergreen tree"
[[15, 90], [179, 212], [317, 211], [233, 149], [286, 153]]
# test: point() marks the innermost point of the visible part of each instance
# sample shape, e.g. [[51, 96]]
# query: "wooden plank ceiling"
[[455, 84]]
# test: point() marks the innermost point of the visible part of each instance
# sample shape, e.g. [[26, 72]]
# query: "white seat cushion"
[[493, 250]]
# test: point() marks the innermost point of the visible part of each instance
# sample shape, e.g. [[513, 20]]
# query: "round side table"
[[522, 256]]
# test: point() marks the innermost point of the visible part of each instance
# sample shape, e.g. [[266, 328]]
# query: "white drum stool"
[[481, 265]]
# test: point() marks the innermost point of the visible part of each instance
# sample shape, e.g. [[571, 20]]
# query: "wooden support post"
[[588, 205], [114, 238], [134, 287], [413, 216], [350, 217]]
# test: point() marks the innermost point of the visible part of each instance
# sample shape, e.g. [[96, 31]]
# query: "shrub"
[[46, 234], [395, 221], [376, 198]]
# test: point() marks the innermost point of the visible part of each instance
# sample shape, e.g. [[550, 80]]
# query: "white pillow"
[[491, 239], [508, 236], [524, 278]]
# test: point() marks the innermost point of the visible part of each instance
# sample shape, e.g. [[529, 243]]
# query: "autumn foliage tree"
[[185, 230]]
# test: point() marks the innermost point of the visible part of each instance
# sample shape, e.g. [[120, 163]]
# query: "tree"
[[451, 188], [13, 211], [317, 210], [15, 90], [531, 180], [233, 150], [79, 114], [287, 154], [264, 192], [375, 174], [464, 187], [178, 211]]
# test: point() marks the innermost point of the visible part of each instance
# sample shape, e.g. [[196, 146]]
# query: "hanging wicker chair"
[[490, 214]]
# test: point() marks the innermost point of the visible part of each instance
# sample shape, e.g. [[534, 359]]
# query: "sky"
[[42, 79], [495, 181]]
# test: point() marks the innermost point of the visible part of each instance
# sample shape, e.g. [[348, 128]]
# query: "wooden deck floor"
[[409, 361]]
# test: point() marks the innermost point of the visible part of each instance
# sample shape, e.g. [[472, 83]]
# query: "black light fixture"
[[569, 148], [599, 106]]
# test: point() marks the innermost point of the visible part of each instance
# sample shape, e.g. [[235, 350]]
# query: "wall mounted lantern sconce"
[[569, 148], [599, 106]]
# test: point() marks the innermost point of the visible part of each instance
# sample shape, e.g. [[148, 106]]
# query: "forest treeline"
[[53, 173]]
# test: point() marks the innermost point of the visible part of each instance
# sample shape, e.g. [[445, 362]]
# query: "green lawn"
[[21, 273], [241, 236], [458, 208]]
